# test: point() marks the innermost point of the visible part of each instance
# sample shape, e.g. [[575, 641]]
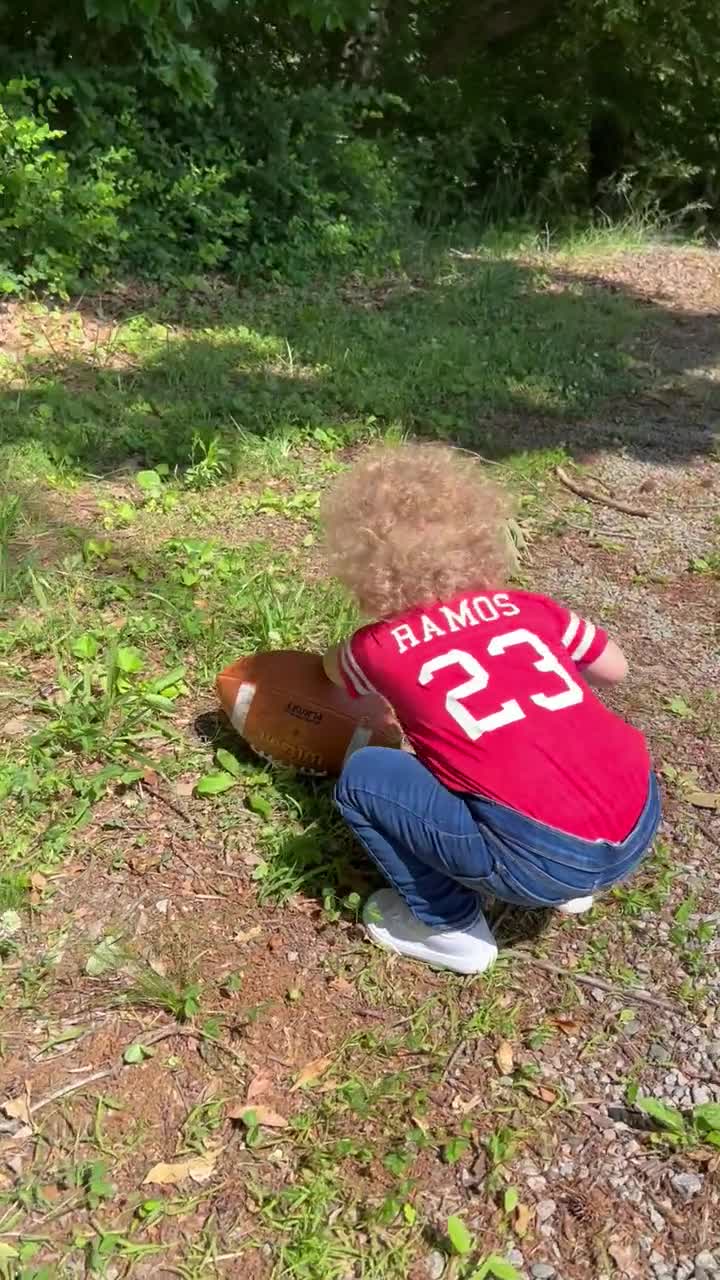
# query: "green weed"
[[679, 1129], [175, 995], [10, 510]]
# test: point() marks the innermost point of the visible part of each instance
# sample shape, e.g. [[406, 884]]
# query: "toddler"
[[518, 782]]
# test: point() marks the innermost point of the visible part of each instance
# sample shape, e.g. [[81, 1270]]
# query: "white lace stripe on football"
[[243, 702], [360, 738]]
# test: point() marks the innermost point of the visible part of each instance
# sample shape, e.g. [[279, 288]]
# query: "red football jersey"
[[489, 692]]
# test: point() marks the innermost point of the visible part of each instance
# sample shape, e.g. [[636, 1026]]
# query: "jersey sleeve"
[[583, 641], [355, 662]]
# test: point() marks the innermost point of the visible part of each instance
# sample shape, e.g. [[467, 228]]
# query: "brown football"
[[287, 710]]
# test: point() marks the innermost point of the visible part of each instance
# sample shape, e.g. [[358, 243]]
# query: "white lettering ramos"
[[470, 612]]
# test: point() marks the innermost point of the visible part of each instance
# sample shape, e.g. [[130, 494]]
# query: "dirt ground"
[[508, 1101]]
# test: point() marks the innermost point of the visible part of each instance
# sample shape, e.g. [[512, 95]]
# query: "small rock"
[[684, 1271], [542, 1271], [687, 1185], [537, 1183], [701, 1095], [435, 1265], [162, 905], [293, 957], [545, 1209], [656, 1219], [516, 1258], [658, 1053], [706, 1267]]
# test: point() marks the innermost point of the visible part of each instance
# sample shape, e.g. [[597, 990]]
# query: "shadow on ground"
[[494, 355]]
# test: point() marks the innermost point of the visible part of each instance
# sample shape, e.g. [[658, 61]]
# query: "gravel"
[[435, 1264], [687, 1185], [545, 1209], [707, 1266]]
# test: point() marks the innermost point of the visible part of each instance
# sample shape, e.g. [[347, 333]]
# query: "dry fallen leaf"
[[311, 1072], [140, 864], [269, 1118], [623, 1255], [247, 935], [18, 1109], [547, 1095], [16, 727], [257, 1115], [185, 788], [704, 799], [464, 1105], [250, 859], [38, 881], [568, 1025], [505, 1058], [343, 987], [257, 1087], [15, 1139], [197, 1168], [522, 1220]]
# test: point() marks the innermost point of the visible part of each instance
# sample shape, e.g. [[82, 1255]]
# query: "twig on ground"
[[189, 1033], [171, 804], [182, 813], [588, 980], [592, 495], [196, 872], [71, 1088], [454, 1058], [707, 831], [153, 1037]]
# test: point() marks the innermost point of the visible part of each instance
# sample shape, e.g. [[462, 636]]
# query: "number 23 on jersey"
[[551, 698]]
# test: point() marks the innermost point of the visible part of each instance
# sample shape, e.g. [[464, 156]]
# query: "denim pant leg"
[[420, 835], [537, 866]]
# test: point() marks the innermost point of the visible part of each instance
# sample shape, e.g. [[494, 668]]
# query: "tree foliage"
[[180, 136]]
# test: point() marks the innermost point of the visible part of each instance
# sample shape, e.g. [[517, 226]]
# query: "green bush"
[[172, 138], [52, 215], [99, 178]]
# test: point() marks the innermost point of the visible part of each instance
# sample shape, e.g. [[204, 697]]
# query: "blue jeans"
[[440, 849]]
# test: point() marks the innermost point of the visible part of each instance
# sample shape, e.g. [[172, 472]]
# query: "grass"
[[436, 355], [162, 470]]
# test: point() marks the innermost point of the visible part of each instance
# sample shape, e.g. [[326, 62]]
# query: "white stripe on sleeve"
[[571, 630], [352, 671], [581, 649]]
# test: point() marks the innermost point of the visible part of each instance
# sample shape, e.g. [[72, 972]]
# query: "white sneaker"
[[392, 925], [576, 906]]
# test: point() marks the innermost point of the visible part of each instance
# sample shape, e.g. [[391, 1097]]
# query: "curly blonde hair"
[[414, 523]]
